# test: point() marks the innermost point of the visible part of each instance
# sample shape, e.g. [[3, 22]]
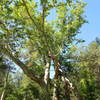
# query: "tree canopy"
[[32, 40]]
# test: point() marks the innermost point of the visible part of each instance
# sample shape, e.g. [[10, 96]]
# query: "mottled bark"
[[56, 92], [47, 73], [46, 81], [67, 88]]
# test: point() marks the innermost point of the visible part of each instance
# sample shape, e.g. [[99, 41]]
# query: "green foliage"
[[23, 88], [26, 32], [25, 28], [87, 66]]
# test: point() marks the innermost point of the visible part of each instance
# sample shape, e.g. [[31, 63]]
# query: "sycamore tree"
[[32, 41]]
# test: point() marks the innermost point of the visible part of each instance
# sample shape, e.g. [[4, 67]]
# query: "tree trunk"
[[5, 85], [67, 88], [46, 81], [47, 73], [56, 92], [2, 95]]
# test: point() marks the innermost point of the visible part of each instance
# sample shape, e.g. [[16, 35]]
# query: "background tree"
[[87, 68]]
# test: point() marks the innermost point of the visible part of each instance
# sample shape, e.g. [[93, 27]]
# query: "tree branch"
[[31, 16], [36, 25], [23, 67]]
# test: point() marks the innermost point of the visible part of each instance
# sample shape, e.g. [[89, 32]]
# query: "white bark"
[[2, 95], [64, 79], [47, 72], [54, 93]]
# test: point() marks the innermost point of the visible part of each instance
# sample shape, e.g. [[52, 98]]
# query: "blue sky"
[[91, 30]]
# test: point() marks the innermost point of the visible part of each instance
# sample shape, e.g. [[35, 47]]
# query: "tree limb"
[[31, 16], [23, 67]]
